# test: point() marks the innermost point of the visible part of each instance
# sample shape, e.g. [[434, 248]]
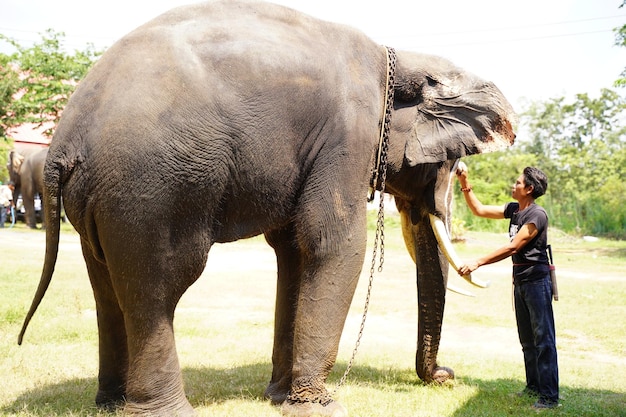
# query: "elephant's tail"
[[52, 212]]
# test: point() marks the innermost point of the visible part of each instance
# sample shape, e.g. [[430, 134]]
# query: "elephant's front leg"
[[287, 292], [326, 291]]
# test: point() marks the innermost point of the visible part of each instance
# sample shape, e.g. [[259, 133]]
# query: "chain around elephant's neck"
[[379, 174]]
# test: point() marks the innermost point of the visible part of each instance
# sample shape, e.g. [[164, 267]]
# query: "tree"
[[582, 147], [9, 85], [37, 81], [492, 176], [620, 40]]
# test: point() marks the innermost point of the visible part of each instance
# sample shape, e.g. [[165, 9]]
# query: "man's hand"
[[461, 170], [462, 174], [468, 268]]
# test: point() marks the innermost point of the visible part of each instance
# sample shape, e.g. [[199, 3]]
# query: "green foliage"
[[581, 145], [492, 176], [6, 145], [37, 81], [9, 85], [620, 40]]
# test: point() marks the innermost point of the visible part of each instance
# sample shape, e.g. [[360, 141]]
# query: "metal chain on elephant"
[[379, 177]]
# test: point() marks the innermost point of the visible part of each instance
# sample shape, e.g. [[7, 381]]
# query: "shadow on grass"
[[205, 386], [498, 398]]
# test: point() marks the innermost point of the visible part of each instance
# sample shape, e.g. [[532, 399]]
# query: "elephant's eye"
[[431, 81]]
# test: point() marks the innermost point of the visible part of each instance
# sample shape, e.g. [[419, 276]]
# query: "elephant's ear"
[[453, 113], [440, 137]]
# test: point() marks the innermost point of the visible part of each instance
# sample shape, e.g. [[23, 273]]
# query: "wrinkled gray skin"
[[229, 120], [26, 171]]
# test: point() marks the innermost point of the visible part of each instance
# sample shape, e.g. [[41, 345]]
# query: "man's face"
[[519, 189]]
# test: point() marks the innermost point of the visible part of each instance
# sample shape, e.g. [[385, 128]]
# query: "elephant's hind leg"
[[155, 385], [150, 276], [113, 352]]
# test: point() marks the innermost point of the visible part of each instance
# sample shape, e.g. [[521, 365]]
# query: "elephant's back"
[[221, 65], [217, 73], [235, 50]]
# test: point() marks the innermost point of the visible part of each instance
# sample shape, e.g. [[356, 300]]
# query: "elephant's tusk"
[[459, 290], [445, 244]]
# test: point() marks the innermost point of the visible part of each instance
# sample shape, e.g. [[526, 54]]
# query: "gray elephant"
[[32, 184], [26, 171], [14, 165], [230, 119]]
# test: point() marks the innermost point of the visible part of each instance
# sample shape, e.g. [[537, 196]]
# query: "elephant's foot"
[[110, 401], [159, 409], [308, 409], [309, 397], [276, 392], [439, 375], [442, 374]]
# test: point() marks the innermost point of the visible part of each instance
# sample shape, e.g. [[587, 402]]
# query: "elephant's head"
[[441, 113], [14, 165]]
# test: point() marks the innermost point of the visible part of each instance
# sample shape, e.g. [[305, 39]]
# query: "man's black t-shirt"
[[531, 262]]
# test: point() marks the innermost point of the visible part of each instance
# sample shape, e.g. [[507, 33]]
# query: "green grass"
[[224, 334]]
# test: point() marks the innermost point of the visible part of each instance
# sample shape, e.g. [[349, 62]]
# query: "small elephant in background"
[[32, 184], [229, 119], [26, 171], [14, 165]]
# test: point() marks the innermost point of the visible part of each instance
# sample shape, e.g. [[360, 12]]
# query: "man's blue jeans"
[[535, 327], [3, 215]]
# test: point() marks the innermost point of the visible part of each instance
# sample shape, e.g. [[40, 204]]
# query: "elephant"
[[32, 183], [230, 119], [26, 171], [14, 165]]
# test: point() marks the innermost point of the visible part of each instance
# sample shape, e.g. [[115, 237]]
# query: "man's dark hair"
[[535, 177]]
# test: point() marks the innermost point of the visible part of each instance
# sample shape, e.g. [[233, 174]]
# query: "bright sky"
[[532, 49]]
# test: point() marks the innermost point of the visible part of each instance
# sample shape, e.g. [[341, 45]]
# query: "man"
[[528, 231], [6, 201]]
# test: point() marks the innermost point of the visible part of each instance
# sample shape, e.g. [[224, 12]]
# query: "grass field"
[[224, 334]]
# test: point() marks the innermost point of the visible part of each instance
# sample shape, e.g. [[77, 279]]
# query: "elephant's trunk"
[[431, 259], [432, 276], [422, 247]]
